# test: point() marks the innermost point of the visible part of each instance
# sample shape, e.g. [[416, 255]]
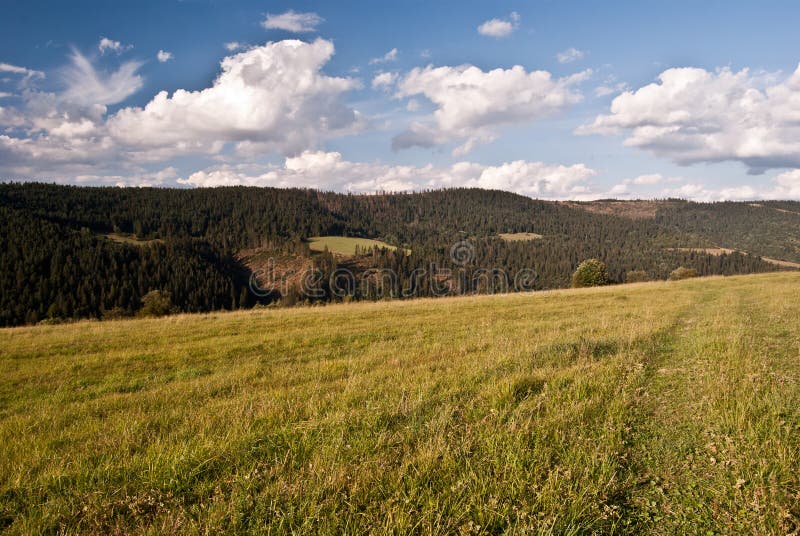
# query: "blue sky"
[[551, 99]]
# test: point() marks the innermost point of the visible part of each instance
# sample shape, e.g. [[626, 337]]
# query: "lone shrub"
[[156, 303], [590, 273], [636, 276], [682, 273]]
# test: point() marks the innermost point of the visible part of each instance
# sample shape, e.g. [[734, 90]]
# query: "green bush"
[[682, 273], [636, 276], [590, 273], [157, 303]]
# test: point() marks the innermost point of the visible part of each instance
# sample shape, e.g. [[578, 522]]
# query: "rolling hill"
[[80, 252]]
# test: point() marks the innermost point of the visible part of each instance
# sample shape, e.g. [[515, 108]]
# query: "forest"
[[73, 252]]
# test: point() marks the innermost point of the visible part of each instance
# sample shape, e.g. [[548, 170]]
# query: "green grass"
[[516, 237], [661, 408], [131, 239], [345, 245]]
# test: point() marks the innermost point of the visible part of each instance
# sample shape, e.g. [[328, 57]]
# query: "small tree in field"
[[636, 276], [156, 303], [590, 273], [682, 273]]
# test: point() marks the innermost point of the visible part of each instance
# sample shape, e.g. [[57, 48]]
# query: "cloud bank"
[[328, 170], [691, 115]]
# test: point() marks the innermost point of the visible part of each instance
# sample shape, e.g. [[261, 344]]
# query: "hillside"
[[80, 252], [649, 408], [767, 228]]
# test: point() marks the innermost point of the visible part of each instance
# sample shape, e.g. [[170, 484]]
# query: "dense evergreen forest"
[[79, 252]]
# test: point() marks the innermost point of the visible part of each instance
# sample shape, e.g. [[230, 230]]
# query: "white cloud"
[[386, 58], [692, 115], [384, 80], [87, 86], [291, 21], [233, 46], [268, 98], [500, 27], [609, 89], [472, 104], [5, 94], [785, 185], [164, 56], [699, 192], [272, 98], [623, 189], [25, 72], [412, 105], [653, 178], [327, 170], [138, 179], [109, 45], [570, 55]]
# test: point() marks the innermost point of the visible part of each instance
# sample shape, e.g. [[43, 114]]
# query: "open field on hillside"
[[345, 245], [515, 237], [130, 239], [658, 408]]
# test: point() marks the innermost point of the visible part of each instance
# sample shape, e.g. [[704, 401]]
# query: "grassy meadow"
[[519, 237], [660, 408], [345, 245]]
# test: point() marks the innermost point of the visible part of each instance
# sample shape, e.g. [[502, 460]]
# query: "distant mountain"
[[81, 252]]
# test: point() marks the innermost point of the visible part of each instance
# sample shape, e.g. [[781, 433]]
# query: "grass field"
[[516, 237], [131, 239], [662, 408], [345, 245]]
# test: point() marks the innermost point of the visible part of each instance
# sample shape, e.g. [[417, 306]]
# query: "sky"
[[551, 99]]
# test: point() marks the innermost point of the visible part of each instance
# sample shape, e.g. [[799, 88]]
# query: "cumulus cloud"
[[691, 115], [141, 179], [291, 21], [785, 185], [624, 189], [233, 46], [164, 56], [653, 178], [384, 80], [328, 170], [269, 98], [109, 45], [604, 90], [701, 193], [386, 58], [570, 55], [472, 104], [500, 27]]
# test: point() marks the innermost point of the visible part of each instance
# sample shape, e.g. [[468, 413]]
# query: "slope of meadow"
[[661, 408]]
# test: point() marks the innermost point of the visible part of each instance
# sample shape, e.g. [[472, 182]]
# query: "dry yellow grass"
[[655, 407], [514, 237]]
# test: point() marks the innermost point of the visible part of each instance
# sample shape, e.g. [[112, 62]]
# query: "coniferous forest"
[[78, 252]]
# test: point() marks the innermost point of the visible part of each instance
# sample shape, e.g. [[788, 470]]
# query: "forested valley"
[[95, 252]]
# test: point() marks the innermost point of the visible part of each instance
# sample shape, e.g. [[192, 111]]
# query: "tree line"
[[58, 261]]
